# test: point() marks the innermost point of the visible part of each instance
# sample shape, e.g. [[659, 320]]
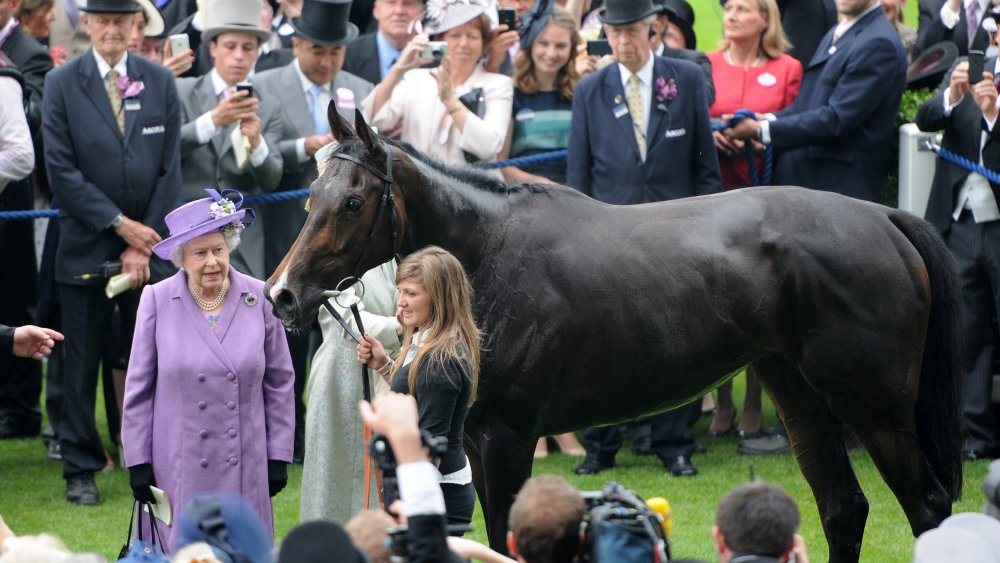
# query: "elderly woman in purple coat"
[[208, 396]]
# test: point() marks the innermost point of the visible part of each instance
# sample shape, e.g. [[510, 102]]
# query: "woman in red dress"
[[751, 71]]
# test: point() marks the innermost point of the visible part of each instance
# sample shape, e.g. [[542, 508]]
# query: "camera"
[[975, 66], [436, 50], [507, 16]]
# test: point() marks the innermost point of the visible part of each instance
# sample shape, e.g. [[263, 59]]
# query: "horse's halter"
[[387, 200]]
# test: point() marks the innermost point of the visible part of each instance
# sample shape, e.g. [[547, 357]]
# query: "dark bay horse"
[[596, 314]]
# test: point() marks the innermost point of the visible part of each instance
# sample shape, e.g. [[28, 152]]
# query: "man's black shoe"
[[768, 445], [54, 450], [592, 467], [82, 490], [10, 429], [681, 466], [642, 446]]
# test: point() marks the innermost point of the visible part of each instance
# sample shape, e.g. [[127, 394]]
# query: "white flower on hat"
[[223, 208]]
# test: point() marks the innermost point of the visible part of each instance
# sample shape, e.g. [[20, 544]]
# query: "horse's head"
[[354, 216]]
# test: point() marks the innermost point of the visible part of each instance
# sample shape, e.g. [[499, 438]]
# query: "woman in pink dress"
[[751, 71]]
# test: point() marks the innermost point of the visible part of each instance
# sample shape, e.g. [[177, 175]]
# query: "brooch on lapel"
[[250, 300], [666, 90], [618, 100]]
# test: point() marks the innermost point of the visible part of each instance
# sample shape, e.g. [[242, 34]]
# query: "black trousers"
[[21, 380], [976, 248], [87, 322], [459, 502], [670, 435]]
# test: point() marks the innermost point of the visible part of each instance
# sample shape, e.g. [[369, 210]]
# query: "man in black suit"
[[964, 208], [111, 125], [958, 21], [21, 381], [370, 56]]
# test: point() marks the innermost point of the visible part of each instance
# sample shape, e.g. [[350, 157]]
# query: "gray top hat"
[[621, 12], [233, 16], [111, 7]]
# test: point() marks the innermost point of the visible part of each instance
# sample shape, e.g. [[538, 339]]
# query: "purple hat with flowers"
[[221, 212]]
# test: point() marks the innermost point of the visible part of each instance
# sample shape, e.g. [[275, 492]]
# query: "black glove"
[[140, 478], [277, 476]]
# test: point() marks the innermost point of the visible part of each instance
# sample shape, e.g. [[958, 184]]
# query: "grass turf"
[[32, 489]]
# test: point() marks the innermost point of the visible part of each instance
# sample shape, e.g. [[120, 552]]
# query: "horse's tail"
[[938, 398]]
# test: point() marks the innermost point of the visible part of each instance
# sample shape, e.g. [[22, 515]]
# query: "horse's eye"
[[353, 204]]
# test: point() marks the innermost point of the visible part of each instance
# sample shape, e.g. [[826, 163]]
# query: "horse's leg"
[[817, 440], [504, 464]]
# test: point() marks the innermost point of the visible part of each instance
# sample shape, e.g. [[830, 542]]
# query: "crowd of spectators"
[[116, 110]]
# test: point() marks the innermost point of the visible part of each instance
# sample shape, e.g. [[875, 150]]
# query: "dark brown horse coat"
[[596, 313]]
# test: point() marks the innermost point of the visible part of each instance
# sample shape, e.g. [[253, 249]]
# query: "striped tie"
[[638, 114], [115, 97]]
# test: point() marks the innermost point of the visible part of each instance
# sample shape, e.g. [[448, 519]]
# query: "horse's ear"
[[365, 132], [340, 128]]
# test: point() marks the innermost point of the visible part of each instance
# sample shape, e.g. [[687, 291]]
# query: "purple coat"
[[208, 407]]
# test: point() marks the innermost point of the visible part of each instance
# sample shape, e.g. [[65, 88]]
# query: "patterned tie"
[[115, 97], [320, 123], [972, 19], [638, 114]]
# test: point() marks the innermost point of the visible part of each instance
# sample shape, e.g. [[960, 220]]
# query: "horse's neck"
[[444, 211]]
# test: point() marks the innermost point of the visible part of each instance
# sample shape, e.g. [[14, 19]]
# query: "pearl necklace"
[[729, 59], [208, 305]]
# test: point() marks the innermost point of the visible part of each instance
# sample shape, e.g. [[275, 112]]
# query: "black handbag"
[[136, 549]]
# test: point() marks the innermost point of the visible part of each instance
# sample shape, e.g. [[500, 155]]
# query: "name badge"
[[767, 80], [132, 105], [620, 110], [524, 115], [671, 133]]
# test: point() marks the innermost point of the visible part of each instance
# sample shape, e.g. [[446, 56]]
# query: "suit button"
[[201, 377], [232, 461], [232, 432], [203, 434], [202, 405], [230, 376], [204, 463], [231, 405]]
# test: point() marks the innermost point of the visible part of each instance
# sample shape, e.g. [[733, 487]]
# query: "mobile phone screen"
[[599, 47], [975, 66]]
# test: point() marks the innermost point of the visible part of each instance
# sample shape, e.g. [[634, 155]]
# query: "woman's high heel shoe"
[[718, 433]]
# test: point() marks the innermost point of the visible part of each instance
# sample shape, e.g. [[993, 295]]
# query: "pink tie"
[[972, 19]]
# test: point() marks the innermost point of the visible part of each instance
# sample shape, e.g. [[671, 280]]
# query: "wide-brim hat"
[[154, 19], [929, 68], [111, 7], [681, 14], [197, 218], [987, 528], [442, 15], [324, 22], [233, 16], [621, 12]]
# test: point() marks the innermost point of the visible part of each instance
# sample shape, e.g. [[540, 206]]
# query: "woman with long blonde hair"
[[438, 363]]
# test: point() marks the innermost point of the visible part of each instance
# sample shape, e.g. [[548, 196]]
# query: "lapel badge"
[[618, 99], [250, 300], [661, 107], [833, 49]]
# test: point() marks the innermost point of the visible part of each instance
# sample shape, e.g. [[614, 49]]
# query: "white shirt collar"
[[103, 68], [645, 73], [6, 29], [659, 49], [218, 84], [306, 83]]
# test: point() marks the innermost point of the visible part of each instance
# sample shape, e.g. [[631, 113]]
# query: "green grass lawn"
[[31, 497]]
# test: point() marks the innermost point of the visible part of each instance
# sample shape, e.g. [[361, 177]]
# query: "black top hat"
[[929, 68], [111, 7], [324, 22], [680, 14], [621, 12]]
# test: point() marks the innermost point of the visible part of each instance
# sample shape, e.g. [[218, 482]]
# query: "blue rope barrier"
[[296, 194], [755, 178], [959, 160]]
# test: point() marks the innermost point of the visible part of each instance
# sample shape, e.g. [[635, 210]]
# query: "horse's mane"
[[471, 175]]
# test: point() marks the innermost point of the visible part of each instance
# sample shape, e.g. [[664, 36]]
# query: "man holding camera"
[[230, 135], [964, 208], [372, 55]]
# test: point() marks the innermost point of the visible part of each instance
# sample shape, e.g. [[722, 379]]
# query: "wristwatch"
[[117, 221]]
